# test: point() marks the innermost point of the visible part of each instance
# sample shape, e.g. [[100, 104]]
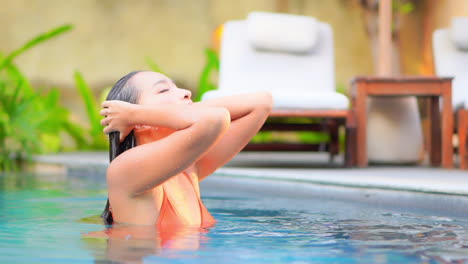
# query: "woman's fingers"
[[108, 130], [105, 121], [116, 117], [106, 104], [113, 125], [104, 112]]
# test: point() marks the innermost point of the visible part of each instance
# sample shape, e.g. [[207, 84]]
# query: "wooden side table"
[[462, 133], [433, 88]]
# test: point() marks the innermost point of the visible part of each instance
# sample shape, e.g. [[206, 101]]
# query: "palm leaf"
[[35, 41], [212, 64], [153, 66], [90, 103], [9, 106], [17, 76], [76, 132]]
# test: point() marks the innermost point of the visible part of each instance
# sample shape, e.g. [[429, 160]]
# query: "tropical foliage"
[[205, 82], [31, 120], [96, 138]]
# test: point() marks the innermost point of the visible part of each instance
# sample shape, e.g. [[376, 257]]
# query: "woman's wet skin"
[[174, 136]]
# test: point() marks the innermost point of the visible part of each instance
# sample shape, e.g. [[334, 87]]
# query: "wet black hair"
[[123, 90]]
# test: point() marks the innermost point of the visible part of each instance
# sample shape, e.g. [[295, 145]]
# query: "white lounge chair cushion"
[[282, 32], [451, 61], [243, 68], [303, 101], [459, 32]]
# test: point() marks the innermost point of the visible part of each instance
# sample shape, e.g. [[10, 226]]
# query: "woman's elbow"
[[222, 119], [265, 102], [218, 120]]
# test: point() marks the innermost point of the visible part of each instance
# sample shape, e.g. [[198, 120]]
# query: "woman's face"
[[157, 89]]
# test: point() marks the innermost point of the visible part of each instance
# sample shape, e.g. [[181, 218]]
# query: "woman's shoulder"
[[125, 161]]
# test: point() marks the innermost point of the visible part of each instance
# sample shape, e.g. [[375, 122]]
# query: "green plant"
[[403, 6], [97, 139], [212, 66], [153, 66], [30, 120], [34, 42]]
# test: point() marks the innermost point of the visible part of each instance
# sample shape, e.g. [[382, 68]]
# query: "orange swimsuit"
[[175, 212], [171, 216], [179, 220], [177, 217]]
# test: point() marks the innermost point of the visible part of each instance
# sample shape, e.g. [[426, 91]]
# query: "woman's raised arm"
[[248, 113], [142, 168], [122, 116]]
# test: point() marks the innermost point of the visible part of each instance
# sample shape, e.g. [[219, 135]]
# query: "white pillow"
[[282, 32], [459, 32]]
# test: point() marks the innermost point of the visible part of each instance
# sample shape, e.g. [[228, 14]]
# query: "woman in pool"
[[162, 145]]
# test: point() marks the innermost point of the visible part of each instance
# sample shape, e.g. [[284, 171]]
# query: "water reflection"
[[132, 243]]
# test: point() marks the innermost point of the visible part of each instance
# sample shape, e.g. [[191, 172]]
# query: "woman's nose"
[[188, 94]]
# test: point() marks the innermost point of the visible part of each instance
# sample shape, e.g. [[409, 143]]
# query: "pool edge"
[[435, 203]]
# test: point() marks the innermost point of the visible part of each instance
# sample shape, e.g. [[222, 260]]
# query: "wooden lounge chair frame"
[[332, 120]]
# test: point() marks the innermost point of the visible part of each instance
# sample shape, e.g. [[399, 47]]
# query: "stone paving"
[[307, 175], [297, 167]]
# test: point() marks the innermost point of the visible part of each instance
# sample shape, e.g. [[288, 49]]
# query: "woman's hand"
[[118, 117]]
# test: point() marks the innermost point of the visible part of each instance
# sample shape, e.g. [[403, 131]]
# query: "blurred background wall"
[[113, 37]]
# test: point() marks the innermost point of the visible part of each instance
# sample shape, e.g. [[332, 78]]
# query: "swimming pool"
[[46, 219]]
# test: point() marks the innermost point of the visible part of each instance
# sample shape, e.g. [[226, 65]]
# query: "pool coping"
[[455, 206], [362, 178], [421, 187]]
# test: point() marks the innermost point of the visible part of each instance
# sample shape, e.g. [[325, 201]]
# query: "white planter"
[[394, 133]]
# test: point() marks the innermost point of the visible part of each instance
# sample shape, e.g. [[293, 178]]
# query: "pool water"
[[53, 220]]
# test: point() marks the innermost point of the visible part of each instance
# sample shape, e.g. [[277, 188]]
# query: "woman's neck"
[[148, 134]]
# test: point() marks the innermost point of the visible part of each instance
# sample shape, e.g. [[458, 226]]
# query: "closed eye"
[[165, 85]]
